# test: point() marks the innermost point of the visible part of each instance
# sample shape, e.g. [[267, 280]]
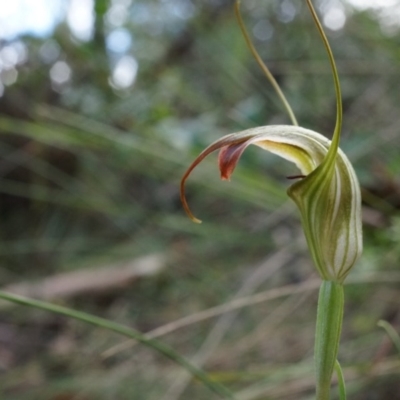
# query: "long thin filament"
[[262, 65], [339, 109]]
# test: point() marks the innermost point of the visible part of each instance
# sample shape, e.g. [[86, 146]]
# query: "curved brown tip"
[[192, 166], [183, 197]]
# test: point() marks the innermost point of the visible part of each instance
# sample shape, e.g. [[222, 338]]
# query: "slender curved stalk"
[[327, 336], [339, 107], [342, 385], [125, 331], [262, 65]]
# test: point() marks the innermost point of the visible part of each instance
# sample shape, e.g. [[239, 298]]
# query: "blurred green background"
[[99, 118]]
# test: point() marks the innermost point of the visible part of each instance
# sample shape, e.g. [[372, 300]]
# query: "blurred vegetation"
[[90, 162]]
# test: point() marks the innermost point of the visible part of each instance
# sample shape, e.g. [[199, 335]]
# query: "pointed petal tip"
[[186, 205], [195, 220], [189, 213]]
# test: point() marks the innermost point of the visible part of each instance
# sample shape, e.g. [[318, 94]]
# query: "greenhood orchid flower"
[[328, 196]]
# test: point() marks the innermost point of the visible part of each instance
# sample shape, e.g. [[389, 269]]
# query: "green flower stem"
[[327, 337], [125, 331]]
